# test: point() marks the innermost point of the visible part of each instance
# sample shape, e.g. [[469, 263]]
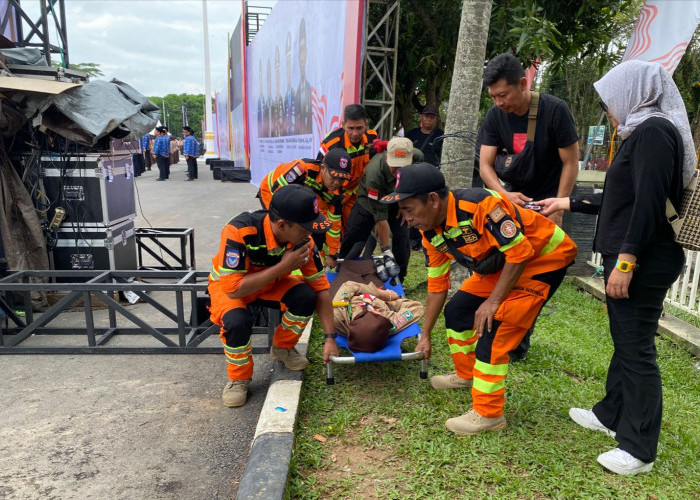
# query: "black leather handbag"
[[518, 169]]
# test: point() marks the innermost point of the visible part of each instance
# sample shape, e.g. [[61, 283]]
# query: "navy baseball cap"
[[299, 204], [338, 162], [419, 178]]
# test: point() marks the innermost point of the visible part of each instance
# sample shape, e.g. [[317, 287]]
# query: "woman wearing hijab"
[[640, 256]]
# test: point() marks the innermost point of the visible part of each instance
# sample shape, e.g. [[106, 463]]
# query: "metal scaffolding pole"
[[379, 69], [37, 32]]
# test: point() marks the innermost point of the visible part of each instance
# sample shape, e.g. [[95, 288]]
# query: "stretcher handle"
[[405, 356]]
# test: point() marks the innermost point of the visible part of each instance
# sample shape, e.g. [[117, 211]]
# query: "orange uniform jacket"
[[248, 246], [480, 220], [307, 172], [359, 156]]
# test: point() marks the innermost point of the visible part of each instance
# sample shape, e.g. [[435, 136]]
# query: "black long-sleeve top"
[[646, 170]]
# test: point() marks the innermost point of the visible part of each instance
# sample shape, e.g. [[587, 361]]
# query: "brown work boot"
[[290, 357], [235, 393], [471, 423], [450, 381]]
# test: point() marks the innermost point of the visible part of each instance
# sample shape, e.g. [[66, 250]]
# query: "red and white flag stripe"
[[662, 32]]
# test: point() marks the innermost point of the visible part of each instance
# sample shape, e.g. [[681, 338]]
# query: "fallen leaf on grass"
[[573, 376], [320, 438], [390, 420], [334, 458]]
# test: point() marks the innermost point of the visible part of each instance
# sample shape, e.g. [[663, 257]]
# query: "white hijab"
[[635, 91]]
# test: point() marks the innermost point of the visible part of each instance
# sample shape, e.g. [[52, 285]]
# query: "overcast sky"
[[156, 46]]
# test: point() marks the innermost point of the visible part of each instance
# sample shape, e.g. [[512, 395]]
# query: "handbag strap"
[[671, 214], [425, 141], [673, 217], [532, 116]]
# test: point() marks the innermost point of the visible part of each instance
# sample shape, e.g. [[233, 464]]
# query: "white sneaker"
[[588, 420], [621, 462]]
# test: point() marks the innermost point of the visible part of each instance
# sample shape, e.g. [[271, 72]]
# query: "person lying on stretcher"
[[367, 315]]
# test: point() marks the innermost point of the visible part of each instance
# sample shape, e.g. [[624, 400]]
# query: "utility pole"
[[463, 108], [208, 134]]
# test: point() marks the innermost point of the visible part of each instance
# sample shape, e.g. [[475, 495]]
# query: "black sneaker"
[[381, 269], [392, 268]]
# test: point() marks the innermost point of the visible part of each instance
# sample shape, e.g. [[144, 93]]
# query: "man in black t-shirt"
[[423, 137], [505, 128]]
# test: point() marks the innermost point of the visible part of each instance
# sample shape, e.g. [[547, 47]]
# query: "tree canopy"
[[551, 31], [90, 69], [173, 111]]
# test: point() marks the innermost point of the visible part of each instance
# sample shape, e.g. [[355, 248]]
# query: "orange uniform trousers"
[[485, 360], [296, 300]]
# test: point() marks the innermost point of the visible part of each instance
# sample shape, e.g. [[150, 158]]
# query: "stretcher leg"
[[330, 380]]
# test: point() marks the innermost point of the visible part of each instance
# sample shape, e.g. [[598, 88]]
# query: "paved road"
[[132, 427]]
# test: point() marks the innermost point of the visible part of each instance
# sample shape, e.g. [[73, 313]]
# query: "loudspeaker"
[[234, 174]]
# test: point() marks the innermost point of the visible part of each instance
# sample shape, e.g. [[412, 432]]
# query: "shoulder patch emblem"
[[233, 257], [497, 213], [508, 229], [373, 194]]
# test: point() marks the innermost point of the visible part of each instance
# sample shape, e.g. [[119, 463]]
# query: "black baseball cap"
[[295, 203], [429, 109], [419, 178], [338, 162]]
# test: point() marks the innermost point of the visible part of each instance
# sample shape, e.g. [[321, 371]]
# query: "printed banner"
[[236, 98], [221, 125], [300, 71], [662, 32]]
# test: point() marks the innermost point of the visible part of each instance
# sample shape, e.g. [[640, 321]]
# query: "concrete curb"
[[267, 469], [683, 333]]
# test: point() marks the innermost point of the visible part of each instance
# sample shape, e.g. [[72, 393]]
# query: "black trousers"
[[632, 404], [147, 158], [359, 227], [137, 161], [300, 300], [163, 163], [192, 167]]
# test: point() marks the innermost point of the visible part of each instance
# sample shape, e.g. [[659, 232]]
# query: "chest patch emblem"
[[469, 235], [497, 213]]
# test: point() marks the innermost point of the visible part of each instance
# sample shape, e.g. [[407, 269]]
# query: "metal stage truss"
[[379, 73], [181, 336], [25, 32], [151, 240]]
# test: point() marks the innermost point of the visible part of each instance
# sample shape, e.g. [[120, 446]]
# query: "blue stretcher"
[[392, 350]]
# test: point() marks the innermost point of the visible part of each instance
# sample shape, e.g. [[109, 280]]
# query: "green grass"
[[386, 434]]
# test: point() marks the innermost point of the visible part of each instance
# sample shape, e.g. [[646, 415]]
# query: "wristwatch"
[[331, 335], [625, 266]]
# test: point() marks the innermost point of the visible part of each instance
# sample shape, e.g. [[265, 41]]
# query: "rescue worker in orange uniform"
[[257, 253], [518, 258], [325, 178], [356, 139]]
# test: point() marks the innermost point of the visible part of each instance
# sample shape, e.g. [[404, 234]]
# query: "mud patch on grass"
[[359, 470]]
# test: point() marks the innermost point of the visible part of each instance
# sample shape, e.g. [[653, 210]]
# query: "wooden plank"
[[35, 85]]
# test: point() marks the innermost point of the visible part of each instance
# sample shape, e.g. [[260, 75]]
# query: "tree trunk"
[[463, 109]]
